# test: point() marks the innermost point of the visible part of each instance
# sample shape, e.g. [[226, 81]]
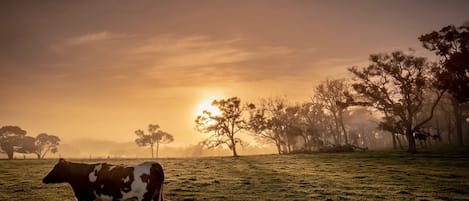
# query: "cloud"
[[199, 60], [95, 37]]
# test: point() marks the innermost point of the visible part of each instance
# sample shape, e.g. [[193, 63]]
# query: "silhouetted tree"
[[10, 139], [40, 145], [273, 121], [46, 143], [223, 127], [334, 96], [308, 121], [451, 44], [260, 122], [155, 136], [395, 84], [291, 124], [276, 122]]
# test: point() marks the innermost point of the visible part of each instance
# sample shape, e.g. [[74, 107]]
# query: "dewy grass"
[[344, 176]]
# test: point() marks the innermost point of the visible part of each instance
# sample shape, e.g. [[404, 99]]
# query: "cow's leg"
[[159, 195]]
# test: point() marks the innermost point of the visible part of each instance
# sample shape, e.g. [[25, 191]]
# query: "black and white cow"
[[104, 181]]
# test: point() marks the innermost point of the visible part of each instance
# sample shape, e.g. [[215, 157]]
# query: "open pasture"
[[345, 176]]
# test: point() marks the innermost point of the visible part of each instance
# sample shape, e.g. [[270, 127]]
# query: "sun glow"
[[206, 105]]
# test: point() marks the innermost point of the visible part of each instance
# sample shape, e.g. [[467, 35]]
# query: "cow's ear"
[[61, 160]]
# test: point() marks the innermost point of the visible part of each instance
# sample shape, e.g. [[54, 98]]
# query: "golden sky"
[[102, 69]]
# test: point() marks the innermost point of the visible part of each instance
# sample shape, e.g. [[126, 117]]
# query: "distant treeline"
[[14, 139], [399, 99]]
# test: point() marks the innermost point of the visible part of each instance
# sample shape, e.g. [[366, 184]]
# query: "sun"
[[206, 105]]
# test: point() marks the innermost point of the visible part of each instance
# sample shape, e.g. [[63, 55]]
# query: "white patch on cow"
[[111, 167], [93, 176], [138, 186], [102, 186], [102, 197], [127, 179]]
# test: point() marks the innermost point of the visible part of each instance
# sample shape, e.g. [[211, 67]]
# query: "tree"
[[451, 44], [10, 139], [224, 127], [289, 124], [314, 122], [266, 122], [395, 84], [155, 135], [334, 96], [46, 143], [40, 145]]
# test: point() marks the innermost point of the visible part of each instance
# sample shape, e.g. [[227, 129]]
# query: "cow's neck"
[[79, 180]]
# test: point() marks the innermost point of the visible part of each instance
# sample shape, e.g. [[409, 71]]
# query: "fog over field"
[[98, 71], [234, 100]]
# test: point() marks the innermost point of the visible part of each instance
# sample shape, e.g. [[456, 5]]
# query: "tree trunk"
[[343, 128], [399, 142], [157, 149], [151, 147], [235, 154], [10, 155], [233, 146], [438, 129], [43, 155], [39, 156], [279, 149], [337, 131], [394, 144], [305, 138], [411, 140], [450, 131], [458, 121]]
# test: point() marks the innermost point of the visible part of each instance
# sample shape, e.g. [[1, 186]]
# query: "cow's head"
[[58, 174]]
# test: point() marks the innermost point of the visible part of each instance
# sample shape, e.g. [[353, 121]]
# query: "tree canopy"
[[451, 44], [395, 84]]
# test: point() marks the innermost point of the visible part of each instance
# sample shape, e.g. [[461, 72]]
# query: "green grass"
[[344, 176]]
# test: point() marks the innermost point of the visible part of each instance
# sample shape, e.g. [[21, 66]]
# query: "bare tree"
[[274, 122], [261, 122], [334, 96], [291, 124], [155, 136], [224, 127]]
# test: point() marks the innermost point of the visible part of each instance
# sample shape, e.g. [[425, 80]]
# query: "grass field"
[[345, 176]]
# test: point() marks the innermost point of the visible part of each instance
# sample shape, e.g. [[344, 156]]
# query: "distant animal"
[[102, 181], [422, 137], [436, 137]]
